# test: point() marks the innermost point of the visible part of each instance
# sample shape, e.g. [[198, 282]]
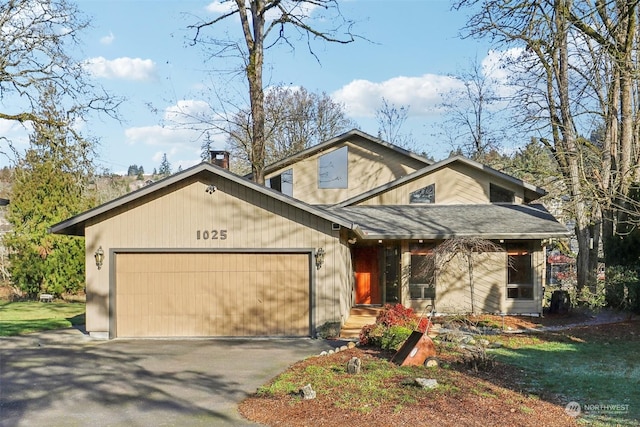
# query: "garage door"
[[212, 294]]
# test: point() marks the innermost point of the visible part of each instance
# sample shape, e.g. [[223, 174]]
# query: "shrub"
[[329, 330], [391, 325], [397, 314], [393, 337], [623, 288]]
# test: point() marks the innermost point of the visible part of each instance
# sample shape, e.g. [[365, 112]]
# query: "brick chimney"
[[220, 158]]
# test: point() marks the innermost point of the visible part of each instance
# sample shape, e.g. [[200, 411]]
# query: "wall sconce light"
[[319, 258], [99, 256], [211, 189]]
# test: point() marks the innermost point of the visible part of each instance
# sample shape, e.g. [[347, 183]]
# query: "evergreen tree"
[[50, 185], [165, 166]]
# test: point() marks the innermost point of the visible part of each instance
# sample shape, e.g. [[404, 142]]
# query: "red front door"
[[367, 276]]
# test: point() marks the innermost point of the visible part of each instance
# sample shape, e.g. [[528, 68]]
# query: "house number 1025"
[[211, 235]]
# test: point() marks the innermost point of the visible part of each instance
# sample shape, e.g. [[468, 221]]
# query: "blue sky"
[[140, 50]]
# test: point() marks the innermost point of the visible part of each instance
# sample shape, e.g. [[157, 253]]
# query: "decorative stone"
[[354, 365], [307, 392], [343, 348], [351, 344], [331, 351], [426, 383], [483, 342], [324, 353]]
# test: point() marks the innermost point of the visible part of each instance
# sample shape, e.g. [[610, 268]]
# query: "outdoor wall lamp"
[[99, 256], [319, 258]]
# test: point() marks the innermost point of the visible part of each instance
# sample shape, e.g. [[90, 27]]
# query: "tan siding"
[[455, 184], [271, 224], [490, 284], [370, 166]]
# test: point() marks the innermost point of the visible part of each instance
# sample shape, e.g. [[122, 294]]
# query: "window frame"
[[432, 199], [498, 190], [280, 181], [338, 176], [520, 284], [427, 288]]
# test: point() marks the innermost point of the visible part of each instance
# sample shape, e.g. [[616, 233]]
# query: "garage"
[[218, 294]]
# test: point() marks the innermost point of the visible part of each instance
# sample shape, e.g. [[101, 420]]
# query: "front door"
[[367, 275]]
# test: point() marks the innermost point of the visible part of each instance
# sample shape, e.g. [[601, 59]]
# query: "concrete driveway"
[[64, 378]]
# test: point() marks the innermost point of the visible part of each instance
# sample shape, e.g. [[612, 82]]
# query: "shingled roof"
[[490, 221]]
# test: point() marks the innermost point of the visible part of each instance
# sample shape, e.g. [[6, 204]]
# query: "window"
[[424, 195], [283, 182], [333, 169], [498, 194], [520, 272], [422, 281]]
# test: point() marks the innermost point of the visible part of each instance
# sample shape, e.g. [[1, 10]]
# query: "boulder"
[[354, 365]]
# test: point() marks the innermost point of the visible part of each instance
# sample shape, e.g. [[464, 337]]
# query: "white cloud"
[[422, 94], [220, 7], [121, 68], [108, 39]]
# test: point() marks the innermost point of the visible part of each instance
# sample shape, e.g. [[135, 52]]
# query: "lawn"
[[24, 317], [535, 377], [597, 367]]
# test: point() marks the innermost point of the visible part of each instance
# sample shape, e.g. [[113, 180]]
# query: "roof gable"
[[531, 192], [76, 224], [333, 142]]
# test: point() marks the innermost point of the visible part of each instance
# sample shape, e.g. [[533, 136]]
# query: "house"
[[349, 222]]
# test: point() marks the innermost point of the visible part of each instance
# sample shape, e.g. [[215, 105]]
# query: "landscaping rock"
[[307, 392], [354, 365], [351, 344], [426, 383]]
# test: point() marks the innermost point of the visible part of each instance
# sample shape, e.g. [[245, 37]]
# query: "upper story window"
[[333, 169], [283, 182], [498, 194], [424, 195]]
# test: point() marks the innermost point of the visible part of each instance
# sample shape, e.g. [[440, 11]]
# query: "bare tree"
[[390, 121], [295, 119], [472, 113], [266, 23], [34, 57], [460, 252]]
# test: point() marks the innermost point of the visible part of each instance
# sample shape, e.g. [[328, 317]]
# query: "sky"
[[141, 50]]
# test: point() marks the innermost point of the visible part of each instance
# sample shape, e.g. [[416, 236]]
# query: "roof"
[[533, 191], [337, 140], [76, 225], [490, 221]]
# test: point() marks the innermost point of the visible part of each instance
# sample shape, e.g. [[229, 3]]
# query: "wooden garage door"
[[205, 294]]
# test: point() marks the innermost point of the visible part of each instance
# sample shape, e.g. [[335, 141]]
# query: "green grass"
[[376, 384], [17, 318], [599, 372]]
